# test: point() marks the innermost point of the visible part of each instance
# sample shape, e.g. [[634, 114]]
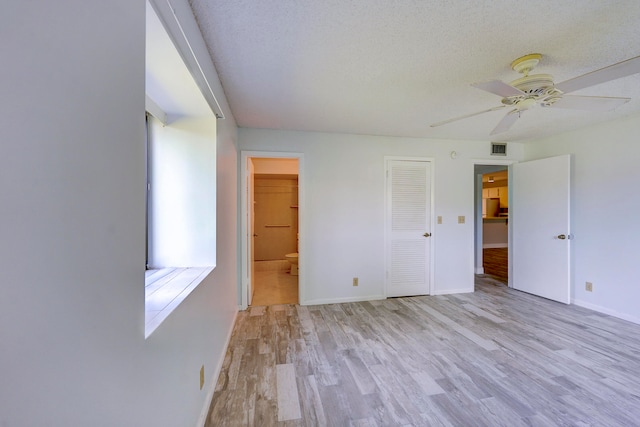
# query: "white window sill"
[[165, 289]]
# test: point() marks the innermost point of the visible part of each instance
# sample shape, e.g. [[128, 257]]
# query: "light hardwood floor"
[[497, 357]]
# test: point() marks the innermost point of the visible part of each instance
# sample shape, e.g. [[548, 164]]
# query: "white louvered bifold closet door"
[[408, 220]]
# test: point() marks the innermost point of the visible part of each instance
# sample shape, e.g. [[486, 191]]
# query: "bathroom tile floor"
[[273, 284]]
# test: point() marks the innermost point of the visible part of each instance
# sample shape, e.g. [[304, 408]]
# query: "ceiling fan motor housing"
[[539, 90]]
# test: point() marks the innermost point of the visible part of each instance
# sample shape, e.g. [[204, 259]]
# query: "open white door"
[[408, 228], [251, 229], [541, 228]]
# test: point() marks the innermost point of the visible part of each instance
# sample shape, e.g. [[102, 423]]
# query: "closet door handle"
[[427, 234]]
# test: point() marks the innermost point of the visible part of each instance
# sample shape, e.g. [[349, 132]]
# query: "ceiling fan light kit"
[[539, 90]]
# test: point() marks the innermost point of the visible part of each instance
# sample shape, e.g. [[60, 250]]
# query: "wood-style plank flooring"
[[496, 357], [495, 262]]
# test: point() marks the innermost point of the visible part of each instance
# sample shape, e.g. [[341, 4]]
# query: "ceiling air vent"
[[498, 148]]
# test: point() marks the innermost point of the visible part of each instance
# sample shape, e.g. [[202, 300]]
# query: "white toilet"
[[293, 258]]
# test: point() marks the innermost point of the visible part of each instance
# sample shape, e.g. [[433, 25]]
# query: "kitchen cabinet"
[[501, 193], [504, 197]]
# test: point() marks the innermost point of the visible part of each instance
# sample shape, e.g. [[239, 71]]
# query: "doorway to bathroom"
[[271, 208]]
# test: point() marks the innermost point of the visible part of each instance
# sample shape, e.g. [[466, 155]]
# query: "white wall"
[[73, 351], [182, 209], [605, 202], [342, 232]]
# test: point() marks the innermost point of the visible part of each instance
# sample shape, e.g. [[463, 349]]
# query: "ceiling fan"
[[539, 90]]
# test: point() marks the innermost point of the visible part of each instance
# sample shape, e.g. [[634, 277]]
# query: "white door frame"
[[387, 160], [245, 219], [478, 217]]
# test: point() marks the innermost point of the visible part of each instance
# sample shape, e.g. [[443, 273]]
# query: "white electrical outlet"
[[355, 281], [588, 286]]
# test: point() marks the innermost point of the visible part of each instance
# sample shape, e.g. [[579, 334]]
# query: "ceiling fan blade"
[[507, 121], [444, 122], [498, 88], [589, 103], [612, 72]]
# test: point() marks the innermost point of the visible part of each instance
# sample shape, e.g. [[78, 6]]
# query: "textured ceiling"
[[393, 67]]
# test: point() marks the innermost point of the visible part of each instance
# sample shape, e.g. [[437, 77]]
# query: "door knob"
[[561, 236], [255, 235], [427, 234]]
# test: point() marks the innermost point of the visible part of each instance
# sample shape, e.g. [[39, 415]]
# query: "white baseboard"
[[454, 291], [494, 245], [605, 310], [479, 270], [378, 297], [214, 378], [341, 300]]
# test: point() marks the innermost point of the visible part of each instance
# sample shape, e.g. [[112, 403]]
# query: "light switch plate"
[[439, 219], [461, 219]]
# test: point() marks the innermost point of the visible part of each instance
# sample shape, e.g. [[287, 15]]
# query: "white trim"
[[491, 162], [214, 378], [323, 301], [480, 270], [155, 110], [494, 245], [431, 160], [244, 232], [455, 291], [167, 293], [605, 310], [181, 26]]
